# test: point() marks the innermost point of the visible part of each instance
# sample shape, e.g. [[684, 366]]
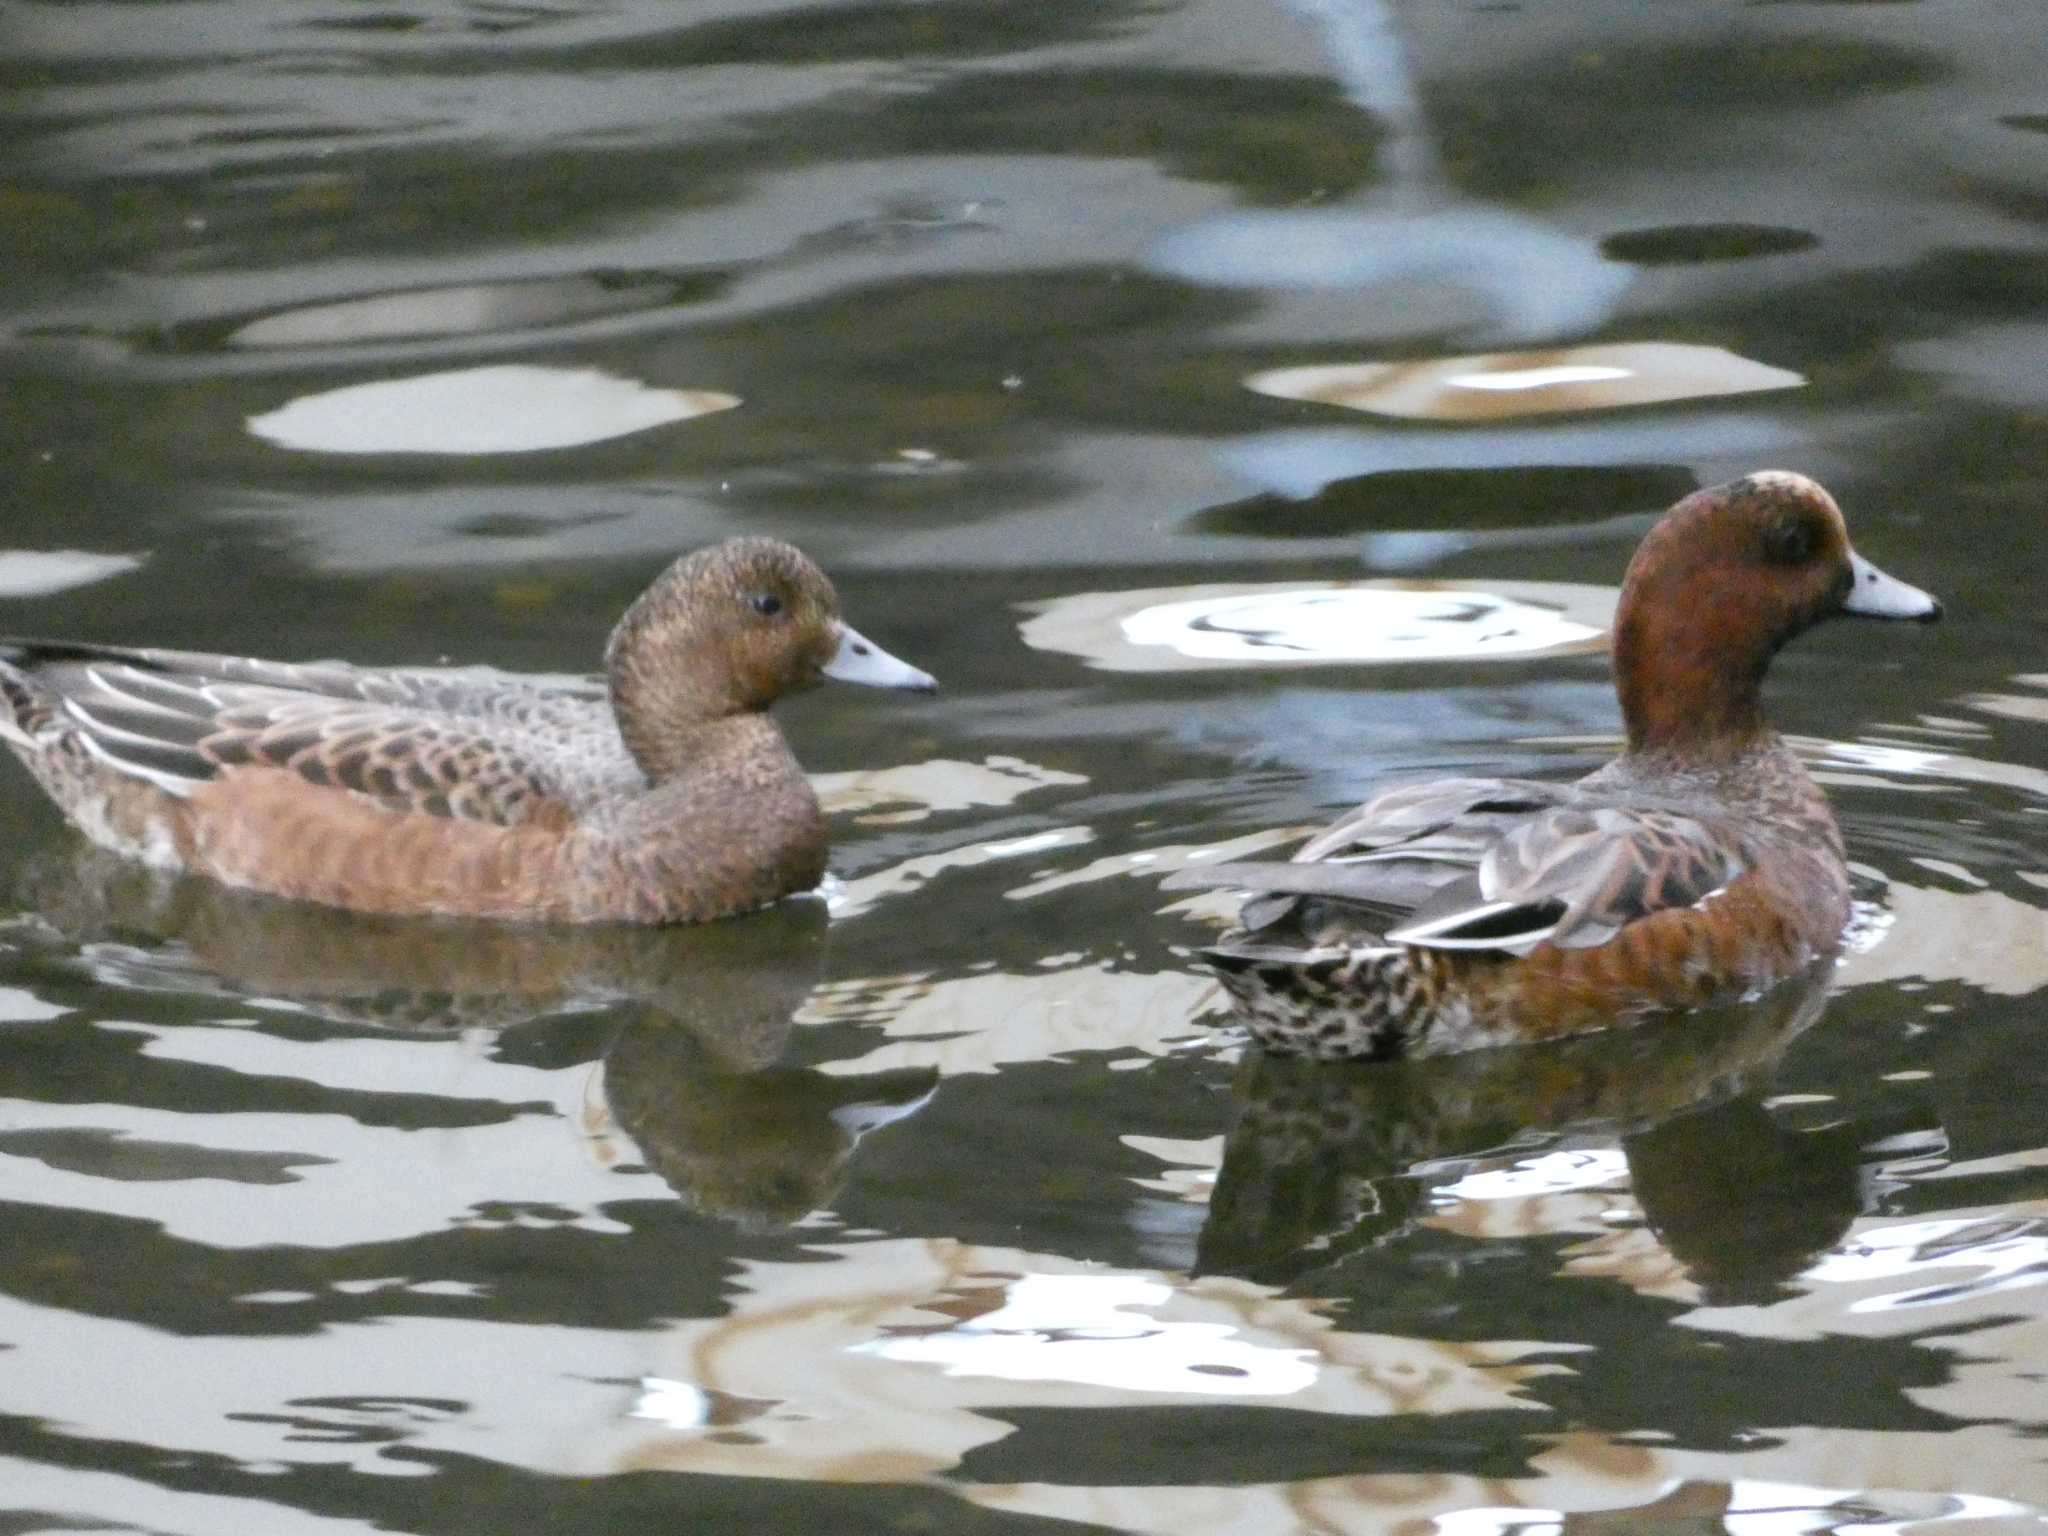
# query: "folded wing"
[[1476, 864], [470, 746]]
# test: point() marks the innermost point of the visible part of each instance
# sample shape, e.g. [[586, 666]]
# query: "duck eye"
[[1789, 541], [767, 604]]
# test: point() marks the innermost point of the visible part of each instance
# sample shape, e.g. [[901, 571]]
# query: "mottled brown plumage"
[[1472, 912], [663, 793]]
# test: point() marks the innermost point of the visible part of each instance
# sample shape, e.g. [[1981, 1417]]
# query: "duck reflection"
[[736, 983], [694, 1076], [760, 1147], [1321, 1159]]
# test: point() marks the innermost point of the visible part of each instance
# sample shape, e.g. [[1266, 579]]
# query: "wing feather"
[[1576, 876], [438, 744], [1485, 865], [1409, 813]]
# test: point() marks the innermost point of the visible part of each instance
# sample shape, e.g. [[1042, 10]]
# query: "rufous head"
[[1727, 576]]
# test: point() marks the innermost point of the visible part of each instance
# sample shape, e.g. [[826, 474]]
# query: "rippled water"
[[1237, 405]]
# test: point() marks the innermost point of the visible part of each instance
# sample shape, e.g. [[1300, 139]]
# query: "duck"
[[661, 792], [1702, 864]]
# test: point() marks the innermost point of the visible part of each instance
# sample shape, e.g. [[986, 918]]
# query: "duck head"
[[1726, 577], [726, 631]]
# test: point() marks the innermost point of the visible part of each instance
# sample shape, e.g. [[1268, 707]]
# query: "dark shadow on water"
[[1439, 500], [467, 309], [1322, 1159], [1742, 1202], [1687, 244], [802, 35], [735, 982], [466, 1494], [761, 1148], [1650, 92]]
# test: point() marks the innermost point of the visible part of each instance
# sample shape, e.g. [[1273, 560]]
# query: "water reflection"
[[1321, 623], [1525, 504], [1995, 942], [506, 408], [908, 792], [736, 983], [1684, 244], [1324, 1159], [693, 1083], [39, 572], [1302, 462], [311, 1249], [1533, 279], [1501, 385], [471, 309], [762, 1146], [898, 1359]]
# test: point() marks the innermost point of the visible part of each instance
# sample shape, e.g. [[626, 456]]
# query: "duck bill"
[[859, 660], [1878, 596]]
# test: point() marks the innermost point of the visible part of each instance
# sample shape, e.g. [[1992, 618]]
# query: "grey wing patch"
[[1445, 814], [1482, 864], [178, 730], [1576, 876], [1378, 888], [137, 723], [486, 694], [1378, 865], [480, 691]]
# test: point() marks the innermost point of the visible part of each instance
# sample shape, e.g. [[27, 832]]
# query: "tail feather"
[[1332, 1003], [26, 711]]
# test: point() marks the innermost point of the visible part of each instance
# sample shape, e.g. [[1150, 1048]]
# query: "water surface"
[[949, 1201]]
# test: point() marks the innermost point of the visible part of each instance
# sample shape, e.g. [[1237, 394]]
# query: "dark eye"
[[1789, 541], [767, 604]]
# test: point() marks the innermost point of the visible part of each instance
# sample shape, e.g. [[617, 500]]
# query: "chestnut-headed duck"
[[1702, 863], [662, 793]]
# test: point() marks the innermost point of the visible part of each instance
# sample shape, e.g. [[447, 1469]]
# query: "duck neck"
[[1689, 690], [733, 827], [670, 722], [670, 746]]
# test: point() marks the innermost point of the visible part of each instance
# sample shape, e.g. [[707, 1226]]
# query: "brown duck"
[[1703, 861], [662, 793]]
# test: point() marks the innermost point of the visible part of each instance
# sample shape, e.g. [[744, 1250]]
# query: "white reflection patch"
[[1754, 1508], [1318, 623], [1036, 842], [1917, 763], [512, 408], [1536, 378], [1867, 754], [846, 899], [914, 791], [468, 309], [39, 572], [674, 1403], [1500, 1522], [1353, 624], [1088, 1330], [1504, 385], [2011, 1254], [18, 1005], [1553, 1173]]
